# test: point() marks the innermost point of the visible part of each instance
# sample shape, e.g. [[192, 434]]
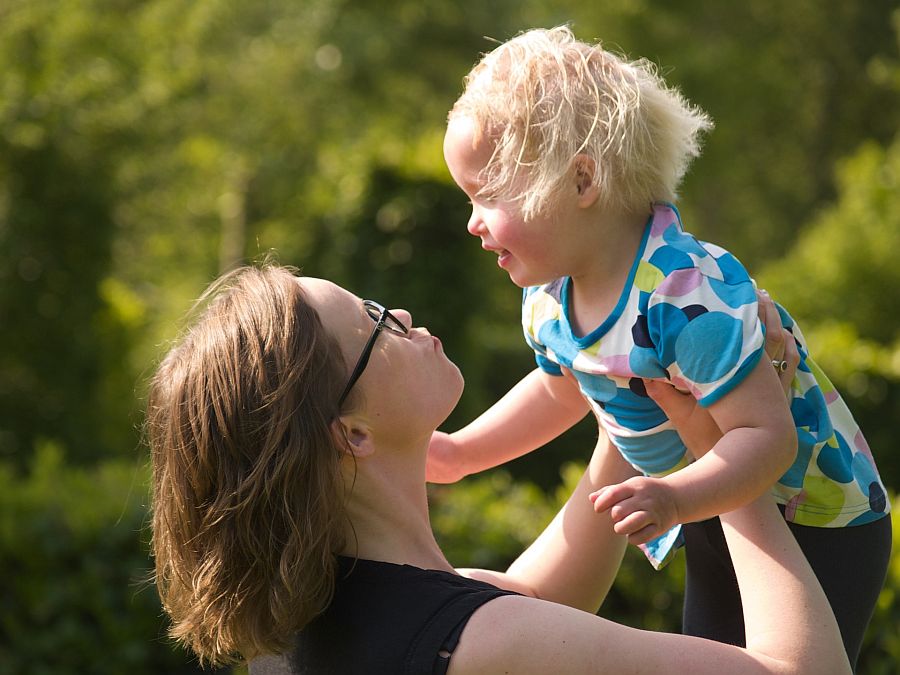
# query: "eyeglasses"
[[384, 320]]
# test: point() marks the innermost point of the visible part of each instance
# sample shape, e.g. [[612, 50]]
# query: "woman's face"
[[408, 382]]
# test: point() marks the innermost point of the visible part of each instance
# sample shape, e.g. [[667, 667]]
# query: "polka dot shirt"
[[688, 315]]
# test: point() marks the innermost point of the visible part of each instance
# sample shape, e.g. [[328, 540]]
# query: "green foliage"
[[147, 145], [851, 248], [76, 598], [881, 647], [61, 363], [487, 521]]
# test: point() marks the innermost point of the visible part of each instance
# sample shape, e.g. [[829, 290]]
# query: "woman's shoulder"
[[384, 617]]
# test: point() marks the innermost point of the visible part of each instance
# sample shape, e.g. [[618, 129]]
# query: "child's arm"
[[757, 446], [575, 559], [537, 410]]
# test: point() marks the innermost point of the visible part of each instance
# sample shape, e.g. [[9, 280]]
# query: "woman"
[[290, 513]]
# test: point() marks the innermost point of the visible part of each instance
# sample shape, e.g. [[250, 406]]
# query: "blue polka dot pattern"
[[664, 320], [598, 387], [665, 455], [793, 477], [877, 497], [668, 259], [708, 348], [688, 315], [835, 462], [733, 295], [645, 363]]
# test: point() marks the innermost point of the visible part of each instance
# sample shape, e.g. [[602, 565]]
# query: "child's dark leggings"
[[850, 563]]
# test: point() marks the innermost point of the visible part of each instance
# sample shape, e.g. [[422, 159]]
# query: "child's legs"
[[849, 562], [712, 603]]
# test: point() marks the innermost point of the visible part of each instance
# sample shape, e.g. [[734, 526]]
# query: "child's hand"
[[442, 464], [640, 507]]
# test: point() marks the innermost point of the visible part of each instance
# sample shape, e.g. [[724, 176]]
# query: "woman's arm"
[[789, 624], [576, 558], [537, 410]]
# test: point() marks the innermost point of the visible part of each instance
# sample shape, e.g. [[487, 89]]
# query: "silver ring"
[[780, 366]]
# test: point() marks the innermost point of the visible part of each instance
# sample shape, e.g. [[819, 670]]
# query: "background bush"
[[74, 561]]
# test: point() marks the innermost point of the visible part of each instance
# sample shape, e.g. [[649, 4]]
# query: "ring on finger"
[[780, 366]]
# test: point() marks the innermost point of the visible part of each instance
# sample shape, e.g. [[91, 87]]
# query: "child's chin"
[[527, 280], [521, 283]]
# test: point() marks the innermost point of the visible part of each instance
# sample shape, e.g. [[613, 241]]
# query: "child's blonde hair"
[[544, 98]]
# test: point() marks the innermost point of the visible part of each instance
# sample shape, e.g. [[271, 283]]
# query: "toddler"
[[571, 157]]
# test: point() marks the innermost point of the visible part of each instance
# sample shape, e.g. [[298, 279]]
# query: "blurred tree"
[[64, 336], [81, 601]]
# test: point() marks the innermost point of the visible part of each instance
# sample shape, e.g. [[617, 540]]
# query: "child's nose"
[[475, 226]]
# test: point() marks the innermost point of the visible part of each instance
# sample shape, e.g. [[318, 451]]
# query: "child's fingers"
[[606, 497], [644, 535], [634, 523], [621, 510]]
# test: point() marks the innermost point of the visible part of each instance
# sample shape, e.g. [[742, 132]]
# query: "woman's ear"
[[352, 436], [588, 191]]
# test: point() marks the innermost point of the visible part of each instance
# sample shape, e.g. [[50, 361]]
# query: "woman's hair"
[[543, 98], [248, 498]]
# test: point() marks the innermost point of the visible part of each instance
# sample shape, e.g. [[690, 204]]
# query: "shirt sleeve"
[[531, 318], [703, 322]]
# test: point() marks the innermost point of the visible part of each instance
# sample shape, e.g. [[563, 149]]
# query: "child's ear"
[[352, 436], [588, 191]]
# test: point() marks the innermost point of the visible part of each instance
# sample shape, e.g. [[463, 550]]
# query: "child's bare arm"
[[537, 410], [757, 447], [759, 443]]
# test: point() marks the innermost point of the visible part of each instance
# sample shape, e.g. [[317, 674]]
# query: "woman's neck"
[[388, 511]]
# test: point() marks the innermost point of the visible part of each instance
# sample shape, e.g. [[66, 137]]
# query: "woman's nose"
[[404, 316]]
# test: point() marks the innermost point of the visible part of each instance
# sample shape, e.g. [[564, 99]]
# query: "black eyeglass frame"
[[384, 320]]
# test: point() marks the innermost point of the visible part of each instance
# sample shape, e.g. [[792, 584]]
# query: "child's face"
[[531, 252]]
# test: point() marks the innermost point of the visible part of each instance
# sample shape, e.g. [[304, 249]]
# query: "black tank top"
[[385, 618]]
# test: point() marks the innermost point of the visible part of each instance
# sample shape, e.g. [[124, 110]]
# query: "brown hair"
[[248, 499]]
